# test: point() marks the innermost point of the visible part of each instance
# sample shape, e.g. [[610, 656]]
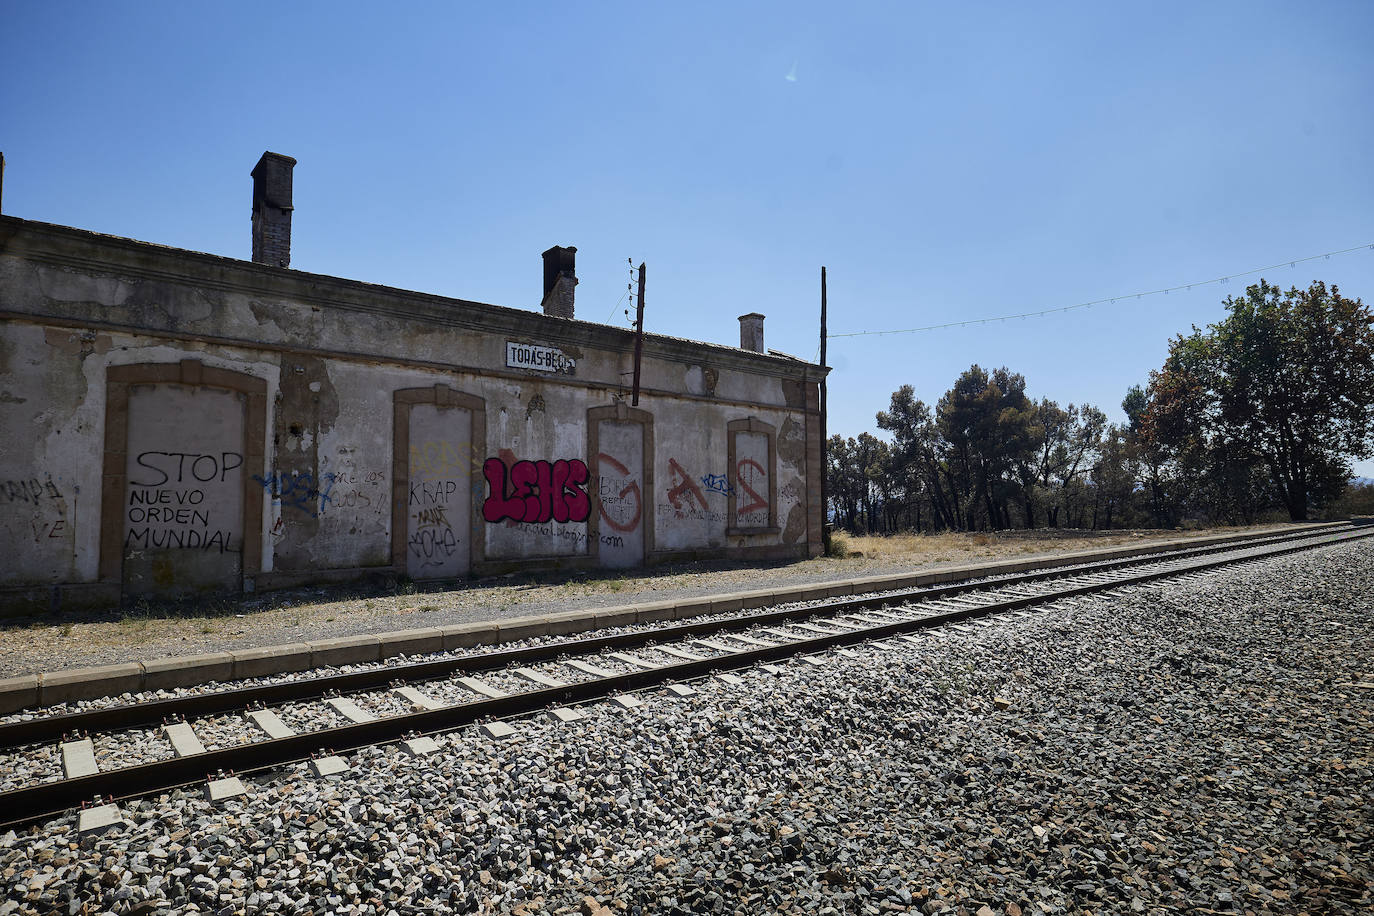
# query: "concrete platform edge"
[[52, 687]]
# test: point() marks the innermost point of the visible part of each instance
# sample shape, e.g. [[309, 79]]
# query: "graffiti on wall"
[[669, 513], [432, 539], [717, 483], [751, 475], [40, 494], [446, 459], [621, 503], [299, 490], [440, 457], [350, 489], [687, 500], [49, 530], [29, 491], [303, 492], [536, 491], [167, 500], [575, 535], [685, 494], [751, 509]]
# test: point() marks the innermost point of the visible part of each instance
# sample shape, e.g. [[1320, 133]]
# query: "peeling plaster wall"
[[332, 354], [49, 454]]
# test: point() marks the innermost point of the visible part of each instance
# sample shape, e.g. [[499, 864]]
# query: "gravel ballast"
[[1198, 746]]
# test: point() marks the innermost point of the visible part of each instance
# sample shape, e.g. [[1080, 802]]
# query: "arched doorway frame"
[[441, 396], [620, 412], [114, 480]]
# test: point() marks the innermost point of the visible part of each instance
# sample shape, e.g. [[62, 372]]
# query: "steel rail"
[[28, 805], [136, 715]]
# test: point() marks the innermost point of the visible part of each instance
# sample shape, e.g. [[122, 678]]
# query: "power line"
[[627, 294], [1112, 299]]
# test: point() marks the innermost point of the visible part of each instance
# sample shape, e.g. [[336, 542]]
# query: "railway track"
[[410, 702]]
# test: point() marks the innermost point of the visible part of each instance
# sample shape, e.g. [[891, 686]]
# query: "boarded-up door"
[[621, 489], [183, 498], [752, 489], [439, 505]]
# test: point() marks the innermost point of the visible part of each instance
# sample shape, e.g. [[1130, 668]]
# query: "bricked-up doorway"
[[753, 463], [439, 444], [620, 447], [180, 511]]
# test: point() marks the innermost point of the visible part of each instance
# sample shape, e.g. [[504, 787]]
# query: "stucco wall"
[[346, 369]]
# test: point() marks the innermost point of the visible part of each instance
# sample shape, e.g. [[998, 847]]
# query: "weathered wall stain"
[[66, 374], [795, 529], [709, 378], [171, 305], [792, 443], [533, 406], [80, 344], [307, 406]]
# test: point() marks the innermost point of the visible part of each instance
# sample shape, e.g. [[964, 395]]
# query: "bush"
[[836, 545], [1357, 500]]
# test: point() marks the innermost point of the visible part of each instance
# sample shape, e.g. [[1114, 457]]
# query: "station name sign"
[[541, 359]]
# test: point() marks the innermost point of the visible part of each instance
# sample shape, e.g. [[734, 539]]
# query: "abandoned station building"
[[174, 422]]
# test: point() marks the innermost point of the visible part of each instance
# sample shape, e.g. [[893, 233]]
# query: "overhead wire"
[[1108, 299], [628, 287]]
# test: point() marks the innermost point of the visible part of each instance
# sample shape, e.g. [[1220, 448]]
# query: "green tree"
[[1358, 500], [988, 422], [1083, 438], [1152, 459], [1040, 461], [1278, 396], [844, 484], [1113, 477], [917, 460]]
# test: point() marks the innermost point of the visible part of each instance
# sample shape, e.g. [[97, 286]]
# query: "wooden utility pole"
[[825, 450], [639, 334]]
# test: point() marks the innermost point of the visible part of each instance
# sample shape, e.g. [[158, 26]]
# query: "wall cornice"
[[98, 254]]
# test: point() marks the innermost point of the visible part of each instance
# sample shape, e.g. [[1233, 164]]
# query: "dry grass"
[[962, 547]]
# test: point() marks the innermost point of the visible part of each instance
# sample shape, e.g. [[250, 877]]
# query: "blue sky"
[[945, 162]]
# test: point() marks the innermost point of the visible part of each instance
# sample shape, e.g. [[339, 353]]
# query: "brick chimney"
[[272, 210], [560, 276], [751, 332]]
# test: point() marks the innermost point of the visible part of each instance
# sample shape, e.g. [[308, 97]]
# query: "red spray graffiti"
[[631, 489], [745, 479], [685, 490]]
